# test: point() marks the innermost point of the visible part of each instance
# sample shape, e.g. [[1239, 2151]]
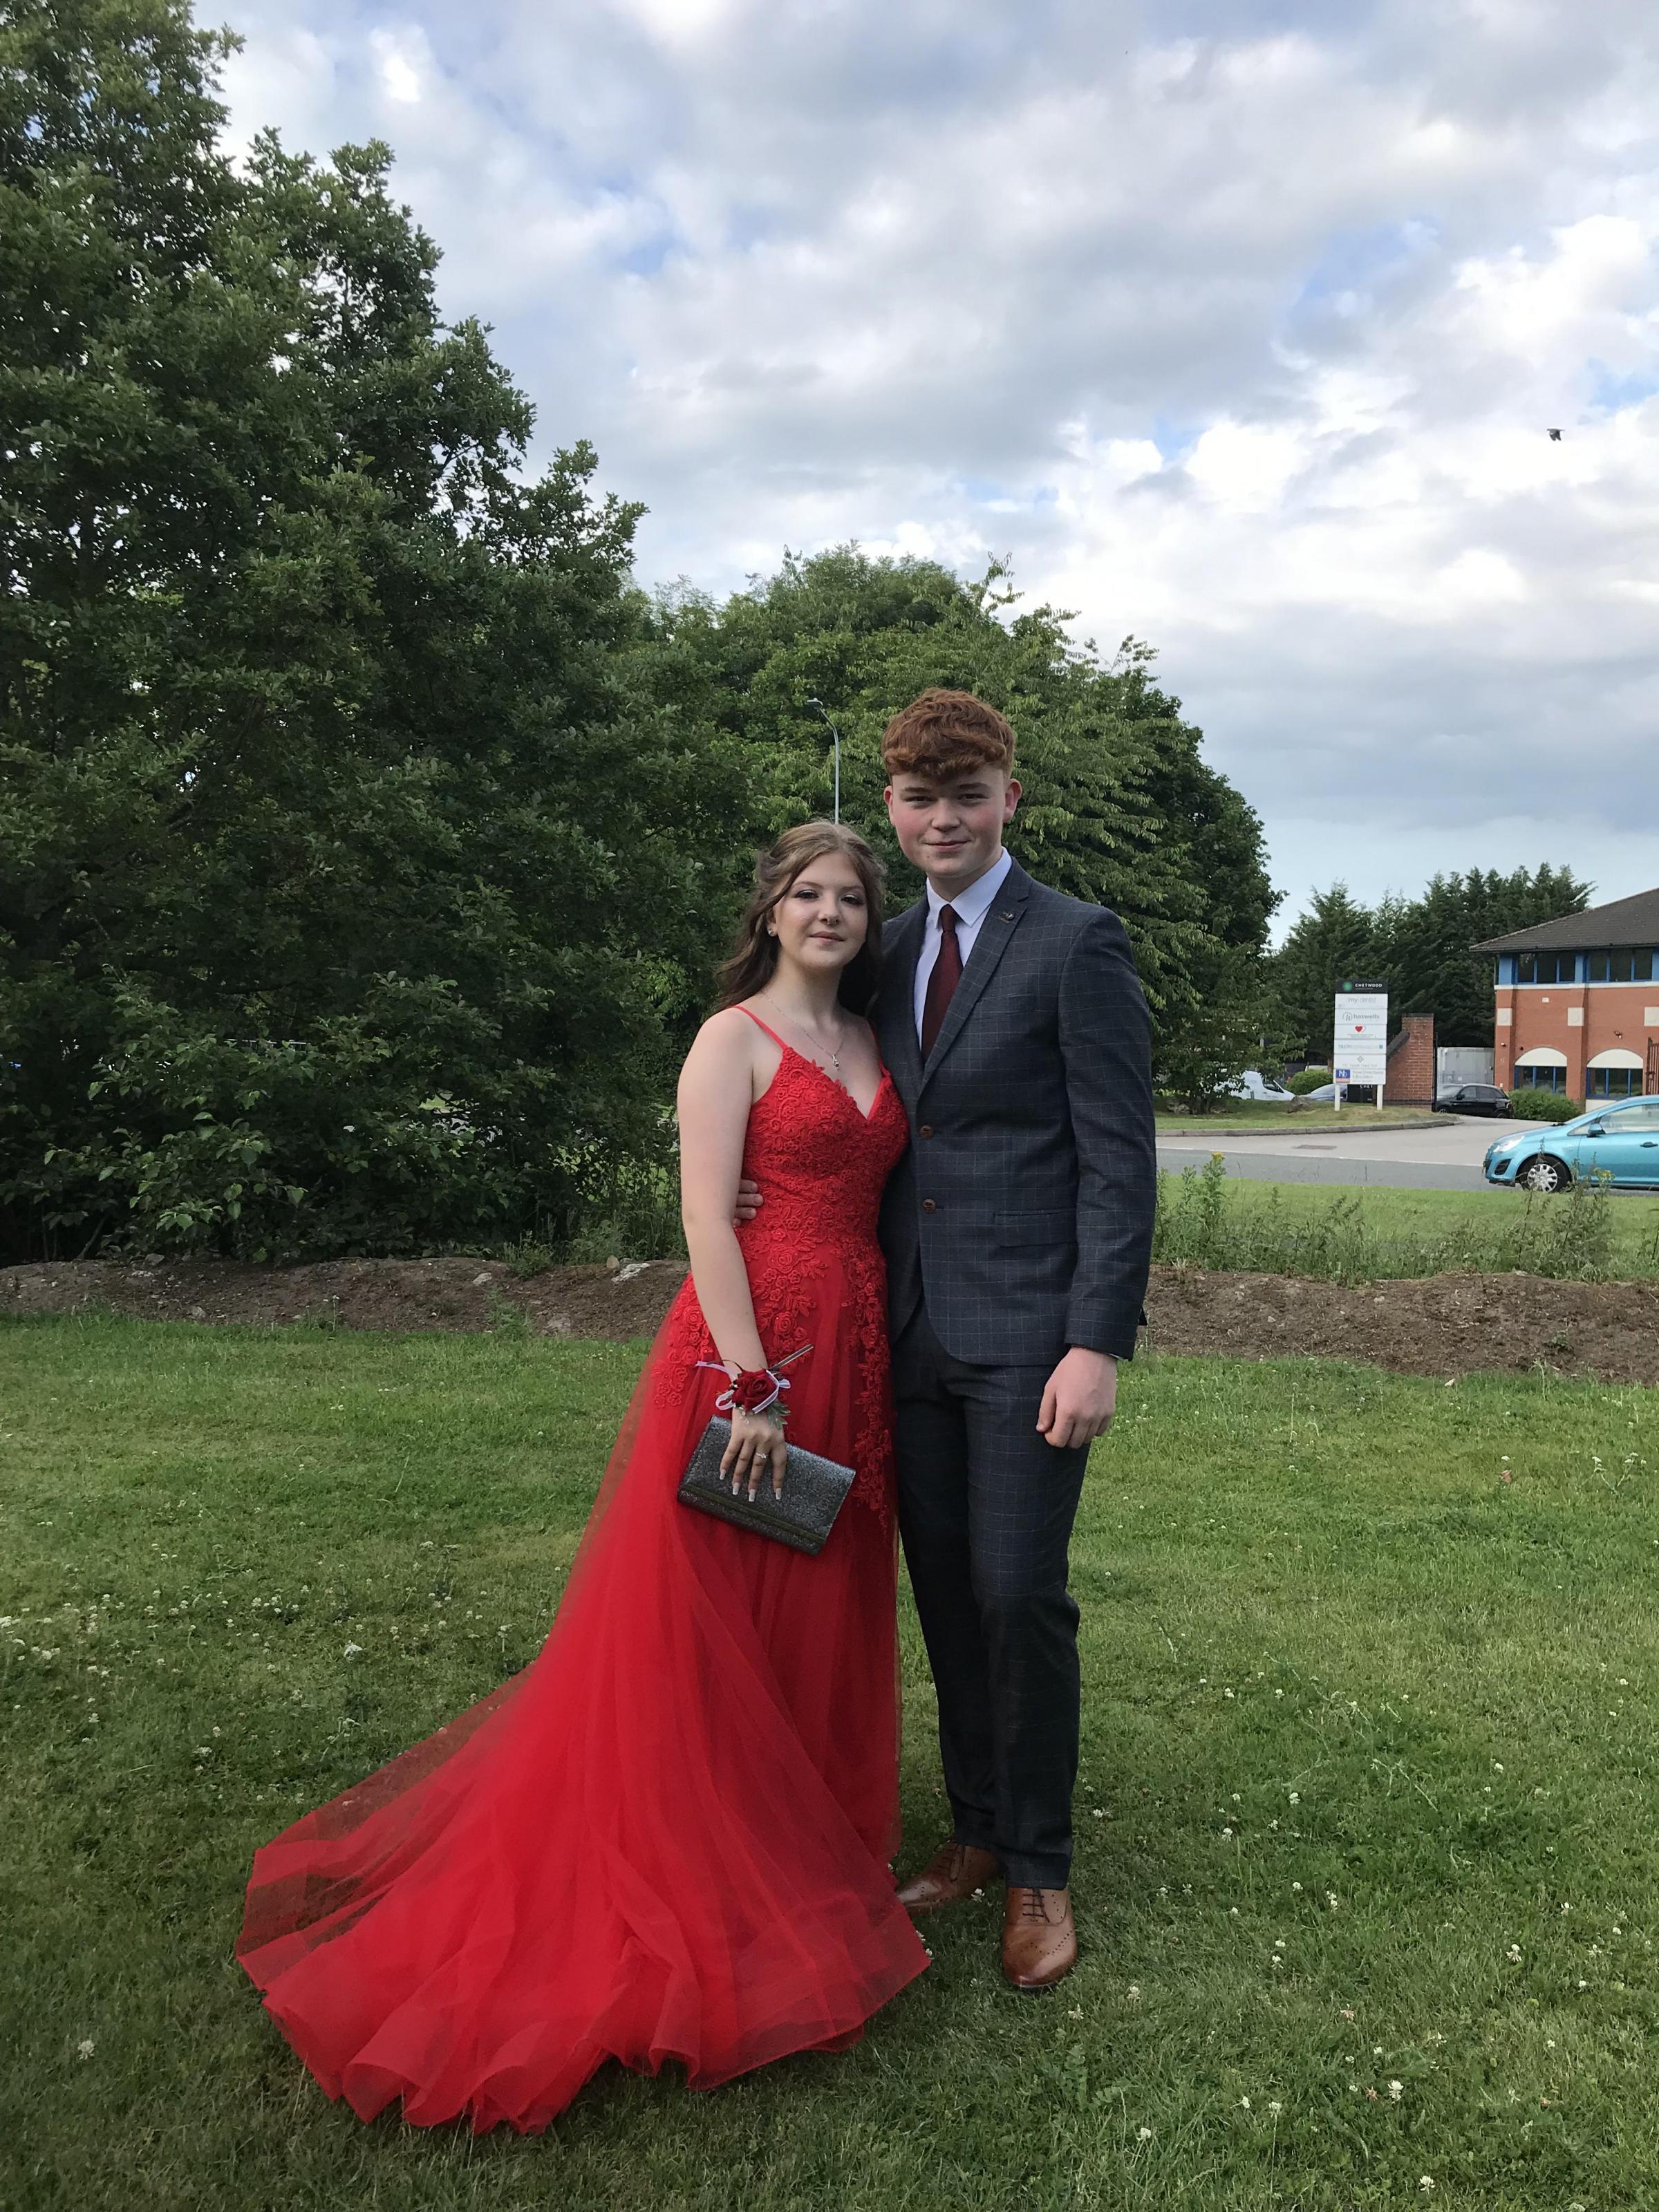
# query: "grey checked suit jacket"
[[1023, 1211]]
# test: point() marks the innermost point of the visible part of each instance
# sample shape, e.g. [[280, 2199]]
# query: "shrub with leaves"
[[1537, 1105]]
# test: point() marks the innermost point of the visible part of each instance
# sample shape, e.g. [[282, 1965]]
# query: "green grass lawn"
[[1368, 1879], [1214, 1220], [1274, 1113]]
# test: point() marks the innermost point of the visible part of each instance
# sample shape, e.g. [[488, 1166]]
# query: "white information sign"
[[1360, 1047]]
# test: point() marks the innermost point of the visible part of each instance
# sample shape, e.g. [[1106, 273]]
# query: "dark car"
[[1474, 1099]]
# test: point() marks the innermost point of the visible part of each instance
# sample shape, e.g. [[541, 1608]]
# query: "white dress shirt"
[[971, 908]]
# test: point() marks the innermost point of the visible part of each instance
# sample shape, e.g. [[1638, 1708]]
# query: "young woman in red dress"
[[669, 1837]]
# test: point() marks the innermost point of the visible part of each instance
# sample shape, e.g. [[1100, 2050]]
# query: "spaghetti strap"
[[773, 1033]]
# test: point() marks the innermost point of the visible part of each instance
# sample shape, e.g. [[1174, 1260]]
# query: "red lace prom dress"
[[668, 1838]]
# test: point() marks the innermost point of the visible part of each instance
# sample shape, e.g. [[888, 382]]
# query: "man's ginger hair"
[[945, 733]]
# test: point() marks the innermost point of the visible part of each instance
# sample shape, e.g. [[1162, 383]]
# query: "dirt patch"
[[1443, 1325], [367, 1294]]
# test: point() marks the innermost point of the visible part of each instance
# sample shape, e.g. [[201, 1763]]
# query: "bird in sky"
[[1556, 434]]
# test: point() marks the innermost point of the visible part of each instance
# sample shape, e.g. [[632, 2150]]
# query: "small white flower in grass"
[[1548, 2044], [1232, 1912], [1425, 2183], [86, 2048], [1134, 1990], [1275, 2107], [1396, 2090], [1296, 1886], [1076, 2013], [1514, 1953], [1142, 2135], [1226, 1835], [352, 1651], [1295, 1798], [1584, 1985], [1330, 1899], [1244, 2104]]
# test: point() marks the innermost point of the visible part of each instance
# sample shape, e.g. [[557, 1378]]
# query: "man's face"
[[952, 829]]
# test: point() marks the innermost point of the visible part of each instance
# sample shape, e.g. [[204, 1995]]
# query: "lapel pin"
[[1005, 913]]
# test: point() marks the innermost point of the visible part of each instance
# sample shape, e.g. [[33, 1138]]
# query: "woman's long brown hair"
[[755, 955]]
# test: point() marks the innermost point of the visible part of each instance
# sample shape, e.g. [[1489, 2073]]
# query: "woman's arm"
[[715, 1094]]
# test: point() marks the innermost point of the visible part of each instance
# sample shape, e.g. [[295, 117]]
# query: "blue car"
[[1619, 1141]]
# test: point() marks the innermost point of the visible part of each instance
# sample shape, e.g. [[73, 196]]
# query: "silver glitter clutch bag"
[[813, 1488]]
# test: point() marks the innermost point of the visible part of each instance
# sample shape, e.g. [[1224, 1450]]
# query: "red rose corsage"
[[755, 1389]]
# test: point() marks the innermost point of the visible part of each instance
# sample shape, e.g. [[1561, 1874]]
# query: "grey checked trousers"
[[986, 1508]]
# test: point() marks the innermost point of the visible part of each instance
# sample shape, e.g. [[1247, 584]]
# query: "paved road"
[[1448, 1157]]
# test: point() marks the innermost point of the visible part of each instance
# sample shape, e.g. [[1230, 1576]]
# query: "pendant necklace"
[[834, 1069]]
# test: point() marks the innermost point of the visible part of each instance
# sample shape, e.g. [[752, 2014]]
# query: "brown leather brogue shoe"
[[950, 1875], [1039, 1937]]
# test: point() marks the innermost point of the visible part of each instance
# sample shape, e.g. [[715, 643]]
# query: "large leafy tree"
[[1119, 805], [347, 877]]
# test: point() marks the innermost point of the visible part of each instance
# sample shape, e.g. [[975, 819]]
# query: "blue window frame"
[[1544, 1078], [1623, 963], [1613, 1082], [1547, 967]]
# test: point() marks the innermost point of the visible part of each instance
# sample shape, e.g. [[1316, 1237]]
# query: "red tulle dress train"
[[668, 1838]]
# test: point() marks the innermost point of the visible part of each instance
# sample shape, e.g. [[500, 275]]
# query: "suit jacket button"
[[924, 1130], [927, 1205]]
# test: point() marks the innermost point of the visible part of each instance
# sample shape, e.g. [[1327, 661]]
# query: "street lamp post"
[[816, 707]]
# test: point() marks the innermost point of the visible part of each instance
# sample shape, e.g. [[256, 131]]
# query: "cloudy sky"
[[1240, 327]]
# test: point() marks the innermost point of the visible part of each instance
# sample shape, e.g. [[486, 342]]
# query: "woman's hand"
[[756, 1450]]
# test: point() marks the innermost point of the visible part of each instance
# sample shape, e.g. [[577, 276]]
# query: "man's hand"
[[1079, 1399], [748, 1204]]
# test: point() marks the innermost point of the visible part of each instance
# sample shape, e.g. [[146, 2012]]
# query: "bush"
[[1533, 1105], [1307, 1079]]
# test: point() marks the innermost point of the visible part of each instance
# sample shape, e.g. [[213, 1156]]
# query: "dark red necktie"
[[942, 983]]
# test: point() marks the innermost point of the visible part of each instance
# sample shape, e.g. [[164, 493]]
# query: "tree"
[[1421, 948], [331, 810], [1119, 806], [1430, 958], [1336, 940]]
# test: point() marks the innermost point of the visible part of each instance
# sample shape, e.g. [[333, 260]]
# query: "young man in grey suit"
[[1017, 1233]]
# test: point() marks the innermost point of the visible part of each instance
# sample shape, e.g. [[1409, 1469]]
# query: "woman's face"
[[823, 918]]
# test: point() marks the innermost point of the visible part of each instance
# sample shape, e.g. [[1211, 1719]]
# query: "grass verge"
[[1367, 1871], [1306, 1114], [1586, 1233]]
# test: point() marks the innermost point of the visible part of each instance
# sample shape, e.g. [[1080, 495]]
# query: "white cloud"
[[1240, 328]]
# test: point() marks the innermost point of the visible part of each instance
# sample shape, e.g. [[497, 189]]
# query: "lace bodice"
[[821, 1166]]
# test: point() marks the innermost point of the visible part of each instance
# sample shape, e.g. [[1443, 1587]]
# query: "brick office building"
[[1579, 1002]]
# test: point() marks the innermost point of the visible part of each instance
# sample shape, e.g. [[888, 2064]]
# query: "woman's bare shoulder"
[[727, 1040], [729, 1029]]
